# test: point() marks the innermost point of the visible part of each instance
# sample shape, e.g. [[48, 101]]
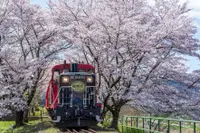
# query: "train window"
[[66, 70], [90, 71], [49, 98], [82, 70], [56, 75]]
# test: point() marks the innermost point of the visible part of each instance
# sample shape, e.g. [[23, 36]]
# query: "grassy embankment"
[[38, 126], [35, 125]]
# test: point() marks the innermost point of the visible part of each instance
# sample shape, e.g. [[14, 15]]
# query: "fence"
[[141, 124]]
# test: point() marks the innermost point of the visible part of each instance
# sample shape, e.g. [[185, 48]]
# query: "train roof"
[[67, 65]]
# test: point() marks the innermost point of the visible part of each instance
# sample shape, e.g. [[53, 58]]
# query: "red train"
[[71, 98]]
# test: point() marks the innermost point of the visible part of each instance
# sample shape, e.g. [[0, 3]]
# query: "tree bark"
[[33, 111], [115, 115], [31, 96], [26, 115], [115, 110], [19, 118], [105, 109], [103, 113]]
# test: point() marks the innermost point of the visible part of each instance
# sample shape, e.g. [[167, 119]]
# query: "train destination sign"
[[77, 77]]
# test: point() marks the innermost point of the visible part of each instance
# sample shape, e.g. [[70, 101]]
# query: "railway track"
[[79, 131]]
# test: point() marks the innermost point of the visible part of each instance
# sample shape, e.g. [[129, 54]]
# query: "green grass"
[[38, 126], [173, 128], [129, 130], [107, 122], [38, 113], [4, 125], [34, 126]]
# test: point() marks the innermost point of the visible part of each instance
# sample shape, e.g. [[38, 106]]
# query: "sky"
[[192, 63], [42, 3]]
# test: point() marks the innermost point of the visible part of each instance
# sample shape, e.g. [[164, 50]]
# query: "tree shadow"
[[31, 128], [101, 129]]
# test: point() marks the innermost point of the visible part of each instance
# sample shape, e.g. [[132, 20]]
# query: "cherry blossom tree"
[[30, 43], [170, 98], [135, 47]]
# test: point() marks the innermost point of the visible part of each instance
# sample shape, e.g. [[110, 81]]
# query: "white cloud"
[[195, 14], [195, 4]]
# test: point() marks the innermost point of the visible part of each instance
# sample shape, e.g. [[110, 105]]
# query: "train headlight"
[[89, 79], [65, 79]]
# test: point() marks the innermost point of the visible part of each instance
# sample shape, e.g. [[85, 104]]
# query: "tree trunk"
[[115, 110], [104, 112], [19, 118], [33, 111], [115, 115], [30, 98], [26, 115], [31, 95]]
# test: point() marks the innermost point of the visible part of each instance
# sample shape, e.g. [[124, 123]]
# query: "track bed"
[[77, 130]]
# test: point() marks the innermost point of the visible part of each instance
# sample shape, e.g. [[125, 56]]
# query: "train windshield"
[[82, 70], [66, 70], [56, 75], [90, 71]]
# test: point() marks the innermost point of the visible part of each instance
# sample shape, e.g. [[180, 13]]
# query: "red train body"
[[71, 98]]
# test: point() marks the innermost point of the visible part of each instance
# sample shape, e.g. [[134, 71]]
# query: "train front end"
[[76, 100]]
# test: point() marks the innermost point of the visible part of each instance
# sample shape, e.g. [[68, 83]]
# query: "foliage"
[[137, 49], [107, 121], [29, 42]]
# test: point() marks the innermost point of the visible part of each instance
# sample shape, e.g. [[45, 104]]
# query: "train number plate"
[[78, 86]]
